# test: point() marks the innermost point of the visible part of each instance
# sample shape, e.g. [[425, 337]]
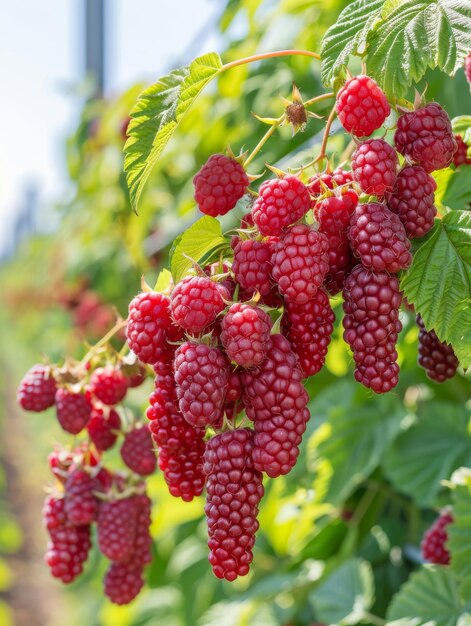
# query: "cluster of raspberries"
[[87, 493]]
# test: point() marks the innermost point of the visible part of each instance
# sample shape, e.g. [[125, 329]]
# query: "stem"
[[330, 119], [263, 141], [116, 328], [324, 96], [269, 55]]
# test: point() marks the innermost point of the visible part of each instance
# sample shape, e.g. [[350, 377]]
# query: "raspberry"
[[219, 184], [137, 451], [142, 552], [433, 544], [319, 182], [148, 326], [109, 385], [467, 67], [425, 137], [234, 490], [374, 165], [123, 582], [412, 199], [37, 389], [116, 528], [300, 263], [138, 377], [461, 154], [361, 106], [378, 238], [54, 515], [280, 203], [436, 357], [67, 551], [201, 375], [333, 215], [102, 428], [276, 402], [216, 269], [252, 265], [308, 327], [81, 504], [180, 446], [73, 410], [245, 332], [196, 301], [371, 323]]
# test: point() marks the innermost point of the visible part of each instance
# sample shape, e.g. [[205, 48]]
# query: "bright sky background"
[[41, 46]]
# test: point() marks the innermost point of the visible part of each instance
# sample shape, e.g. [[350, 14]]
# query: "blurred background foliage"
[[351, 514]]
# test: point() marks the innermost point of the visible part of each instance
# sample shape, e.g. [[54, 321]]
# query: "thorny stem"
[[116, 328], [323, 96], [270, 55], [263, 141]]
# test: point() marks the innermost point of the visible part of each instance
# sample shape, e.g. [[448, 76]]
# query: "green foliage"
[[401, 39], [156, 115], [459, 532], [346, 596], [441, 433], [439, 279], [431, 594]]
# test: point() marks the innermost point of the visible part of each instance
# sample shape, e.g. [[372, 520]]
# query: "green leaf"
[[346, 595], [459, 532], [458, 190], [462, 126], [349, 446], [414, 35], [164, 280], [347, 36], [194, 245], [430, 594], [156, 115], [439, 280], [441, 436]]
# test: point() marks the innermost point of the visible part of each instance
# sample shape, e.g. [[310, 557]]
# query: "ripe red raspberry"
[[201, 375], [252, 265], [433, 544], [245, 332], [412, 199], [361, 106], [378, 238], [333, 216], [436, 357], [117, 527], [319, 182], [73, 410], [461, 154], [425, 137], [81, 503], [137, 451], [371, 323], [142, 552], [102, 427], [37, 389], [196, 301], [276, 402], [300, 262], [374, 165], [148, 326], [68, 548], [280, 203], [234, 490], [467, 67], [123, 582], [109, 385], [219, 184], [308, 327]]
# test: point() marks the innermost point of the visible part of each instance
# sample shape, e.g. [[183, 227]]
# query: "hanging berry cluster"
[[85, 491]]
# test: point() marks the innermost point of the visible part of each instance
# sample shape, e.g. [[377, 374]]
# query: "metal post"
[[95, 44]]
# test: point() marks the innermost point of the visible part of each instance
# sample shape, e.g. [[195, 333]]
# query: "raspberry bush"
[[352, 264]]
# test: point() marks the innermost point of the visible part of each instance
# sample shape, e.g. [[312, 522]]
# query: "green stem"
[[323, 96], [116, 328], [263, 141], [269, 55], [374, 619]]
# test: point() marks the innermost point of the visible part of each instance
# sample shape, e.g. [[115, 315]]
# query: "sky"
[[41, 49]]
